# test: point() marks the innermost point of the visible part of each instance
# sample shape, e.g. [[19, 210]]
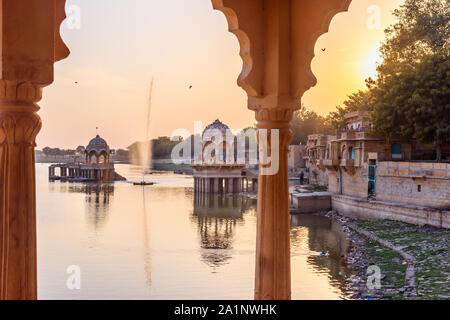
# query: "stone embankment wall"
[[361, 208], [417, 183]]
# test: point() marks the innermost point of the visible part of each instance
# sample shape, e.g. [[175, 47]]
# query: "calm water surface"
[[162, 242]]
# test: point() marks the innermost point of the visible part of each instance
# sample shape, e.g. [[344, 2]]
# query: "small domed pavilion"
[[97, 151], [98, 165]]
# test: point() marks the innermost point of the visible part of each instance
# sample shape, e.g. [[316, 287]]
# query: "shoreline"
[[411, 258]]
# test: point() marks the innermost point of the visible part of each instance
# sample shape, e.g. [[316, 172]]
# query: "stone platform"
[[303, 200]]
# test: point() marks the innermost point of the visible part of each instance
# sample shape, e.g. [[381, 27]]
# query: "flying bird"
[[190, 87], [324, 49]]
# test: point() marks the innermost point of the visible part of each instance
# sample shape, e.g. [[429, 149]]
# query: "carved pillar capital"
[[19, 122]]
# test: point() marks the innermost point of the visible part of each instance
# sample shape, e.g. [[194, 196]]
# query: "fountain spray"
[[147, 154]]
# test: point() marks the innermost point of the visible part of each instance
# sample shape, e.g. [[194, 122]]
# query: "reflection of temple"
[[323, 234], [218, 170], [97, 167], [216, 217], [98, 197]]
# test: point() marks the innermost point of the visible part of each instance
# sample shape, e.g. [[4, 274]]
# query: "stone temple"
[[218, 171], [97, 165]]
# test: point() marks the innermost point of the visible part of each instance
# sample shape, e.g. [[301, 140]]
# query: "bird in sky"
[[324, 49], [190, 87]]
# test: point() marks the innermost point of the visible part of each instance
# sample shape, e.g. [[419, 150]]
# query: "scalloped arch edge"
[[244, 44], [325, 25]]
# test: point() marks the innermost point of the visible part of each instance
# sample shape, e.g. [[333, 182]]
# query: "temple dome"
[[98, 145], [217, 125]]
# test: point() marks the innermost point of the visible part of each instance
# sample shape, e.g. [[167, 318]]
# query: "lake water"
[[162, 242]]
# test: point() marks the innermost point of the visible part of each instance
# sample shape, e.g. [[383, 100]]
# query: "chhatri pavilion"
[[218, 170], [97, 167]]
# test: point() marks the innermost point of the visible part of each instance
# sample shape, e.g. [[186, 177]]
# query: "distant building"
[[98, 166], [296, 158], [359, 164]]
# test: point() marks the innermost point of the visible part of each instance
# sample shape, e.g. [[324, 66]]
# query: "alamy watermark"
[[73, 14], [373, 278], [73, 282], [220, 146], [374, 21]]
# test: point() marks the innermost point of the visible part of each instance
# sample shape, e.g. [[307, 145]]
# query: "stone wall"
[[372, 210], [310, 202], [318, 176], [418, 183], [354, 181]]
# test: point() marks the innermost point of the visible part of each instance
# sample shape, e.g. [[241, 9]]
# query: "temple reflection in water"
[[120, 234], [216, 217], [98, 197]]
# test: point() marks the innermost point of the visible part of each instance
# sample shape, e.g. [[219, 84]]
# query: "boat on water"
[[143, 183]]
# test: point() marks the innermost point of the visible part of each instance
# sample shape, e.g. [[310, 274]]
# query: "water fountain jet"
[[145, 149]]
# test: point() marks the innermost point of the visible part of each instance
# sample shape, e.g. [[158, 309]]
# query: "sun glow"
[[370, 64]]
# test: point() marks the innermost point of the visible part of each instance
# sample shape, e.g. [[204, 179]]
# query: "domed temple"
[[218, 170], [97, 165]]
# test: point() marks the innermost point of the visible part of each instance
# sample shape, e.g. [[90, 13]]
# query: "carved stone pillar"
[[273, 272], [277, 39], [19, 125], [29, 46]]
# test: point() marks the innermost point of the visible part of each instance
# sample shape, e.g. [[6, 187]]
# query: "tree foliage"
[[422, 29], [362, 100], [58, 152], [162, 147], [411, 93], [308, 122]]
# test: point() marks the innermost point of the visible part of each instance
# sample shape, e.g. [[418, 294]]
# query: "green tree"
[[411, 93], [122, 153], [306, 122], [47, 151], [360, 101], [80, 149], [422, 29], [162, 147], [415, 103]]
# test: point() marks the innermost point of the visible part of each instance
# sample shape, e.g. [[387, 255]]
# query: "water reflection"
[[216, 217], [98, 200], [147, 249], [164, 242], [322, 235]]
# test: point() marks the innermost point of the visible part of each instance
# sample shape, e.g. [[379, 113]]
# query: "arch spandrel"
[[311, 19], [61, 50], [31, 40], [277, 68], [246, 20]]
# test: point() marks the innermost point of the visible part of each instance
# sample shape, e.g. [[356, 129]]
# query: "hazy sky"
[[121, 44]]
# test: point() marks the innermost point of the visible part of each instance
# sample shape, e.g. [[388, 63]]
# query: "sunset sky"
[[122, 44]]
